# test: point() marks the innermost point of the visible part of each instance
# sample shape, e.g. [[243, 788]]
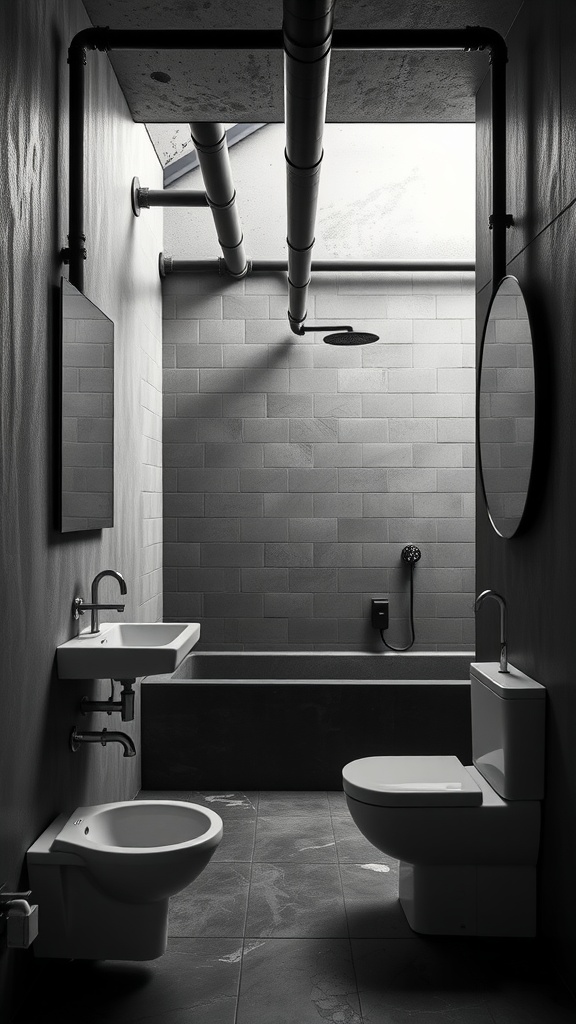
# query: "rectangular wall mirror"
[[86, 489]]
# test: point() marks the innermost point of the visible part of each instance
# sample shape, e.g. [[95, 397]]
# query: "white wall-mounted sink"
[[126, 650]]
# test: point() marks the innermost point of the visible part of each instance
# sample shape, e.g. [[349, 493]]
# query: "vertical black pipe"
[[498, 110], [76, 236]]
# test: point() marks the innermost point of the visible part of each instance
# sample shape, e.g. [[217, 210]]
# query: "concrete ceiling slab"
[[248, 86]]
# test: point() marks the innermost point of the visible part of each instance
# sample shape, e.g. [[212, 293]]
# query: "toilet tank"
[[508, 717]]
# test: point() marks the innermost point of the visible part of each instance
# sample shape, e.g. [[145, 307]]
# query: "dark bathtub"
[[291, 721]]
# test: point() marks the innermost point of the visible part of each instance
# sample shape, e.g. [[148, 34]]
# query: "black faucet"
[[95, 607], [104, 737]]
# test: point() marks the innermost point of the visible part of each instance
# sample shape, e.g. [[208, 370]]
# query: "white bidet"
[[103, 876]]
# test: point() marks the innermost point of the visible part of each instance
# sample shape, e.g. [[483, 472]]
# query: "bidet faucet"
[[95, 607], [104, 737], [503, 643]]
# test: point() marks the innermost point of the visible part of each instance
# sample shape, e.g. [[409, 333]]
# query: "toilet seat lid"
[[411, 781]]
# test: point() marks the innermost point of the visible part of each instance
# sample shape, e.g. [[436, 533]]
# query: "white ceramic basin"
[[141, 851], [126, 650]]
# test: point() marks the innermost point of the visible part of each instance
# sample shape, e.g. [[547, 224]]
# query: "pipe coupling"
[[221, 206]]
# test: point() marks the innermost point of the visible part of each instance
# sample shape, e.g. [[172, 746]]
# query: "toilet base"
[[80, 922], [469, 900]]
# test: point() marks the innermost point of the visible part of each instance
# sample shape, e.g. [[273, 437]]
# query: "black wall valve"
[[379, 613]]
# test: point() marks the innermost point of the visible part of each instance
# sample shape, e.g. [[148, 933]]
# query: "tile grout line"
[[240, 972], [352, 962]]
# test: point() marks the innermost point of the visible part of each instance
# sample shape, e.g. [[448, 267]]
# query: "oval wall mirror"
[[506, 408]]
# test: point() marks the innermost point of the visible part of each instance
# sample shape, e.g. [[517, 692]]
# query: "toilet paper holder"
[[21, 918]]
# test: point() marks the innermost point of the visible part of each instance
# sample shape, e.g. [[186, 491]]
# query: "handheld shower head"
[[411, 554]]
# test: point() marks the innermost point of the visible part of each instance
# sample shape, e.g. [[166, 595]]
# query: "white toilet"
[[466, 837], [103, 876]]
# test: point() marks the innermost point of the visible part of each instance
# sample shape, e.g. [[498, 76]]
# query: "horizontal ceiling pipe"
[[471, 37], [209, 138], [307, 27], [468, 38], [103, 39], [215, 265]]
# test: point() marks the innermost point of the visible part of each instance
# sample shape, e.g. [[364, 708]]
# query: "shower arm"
[[106, 39]]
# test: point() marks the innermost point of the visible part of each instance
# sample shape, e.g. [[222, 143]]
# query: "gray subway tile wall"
[[294, 473]]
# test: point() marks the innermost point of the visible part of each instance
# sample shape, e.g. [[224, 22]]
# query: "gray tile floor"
[[296, 921]]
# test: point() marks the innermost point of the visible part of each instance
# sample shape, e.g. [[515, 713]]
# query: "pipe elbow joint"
[[482, 38], [94, 38], [296, 326]]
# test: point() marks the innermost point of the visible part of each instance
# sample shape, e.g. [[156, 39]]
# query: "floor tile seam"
[[280, 815], [247, 908], [295, 861], [344, 902], [351, 939], [239, 984]]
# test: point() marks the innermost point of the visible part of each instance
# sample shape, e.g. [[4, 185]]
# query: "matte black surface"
[[351, 338], [535, 570], [274, 735]]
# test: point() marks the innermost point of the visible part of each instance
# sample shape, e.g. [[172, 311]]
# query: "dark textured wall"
[[41, 570], [536, 569]]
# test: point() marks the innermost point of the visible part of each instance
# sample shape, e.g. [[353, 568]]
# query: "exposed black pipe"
[[209, 139], [499, 220], [76, 252], [471, 38], [307, 28], [215, 265]]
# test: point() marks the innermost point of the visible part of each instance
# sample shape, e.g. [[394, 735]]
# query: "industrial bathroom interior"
[[180, 445]]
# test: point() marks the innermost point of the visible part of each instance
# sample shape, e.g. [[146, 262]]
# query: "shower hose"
[[401, 650]]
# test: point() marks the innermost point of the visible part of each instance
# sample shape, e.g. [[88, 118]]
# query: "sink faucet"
[[95, 607], [503, 645]]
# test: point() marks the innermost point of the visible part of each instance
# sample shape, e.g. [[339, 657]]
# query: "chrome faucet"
[[95, 607], [104, 737], [503, 644]]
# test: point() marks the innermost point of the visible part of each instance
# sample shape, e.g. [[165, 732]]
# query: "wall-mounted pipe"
[[209, 139], [307, 28], [144, 198], [215, 265], [104, 39]]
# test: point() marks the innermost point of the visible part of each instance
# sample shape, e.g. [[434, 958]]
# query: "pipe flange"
[[164, 264], [135, 196]]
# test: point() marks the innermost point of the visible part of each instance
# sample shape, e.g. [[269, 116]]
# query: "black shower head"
[[351, 338], [345, 334], [411, 554]]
